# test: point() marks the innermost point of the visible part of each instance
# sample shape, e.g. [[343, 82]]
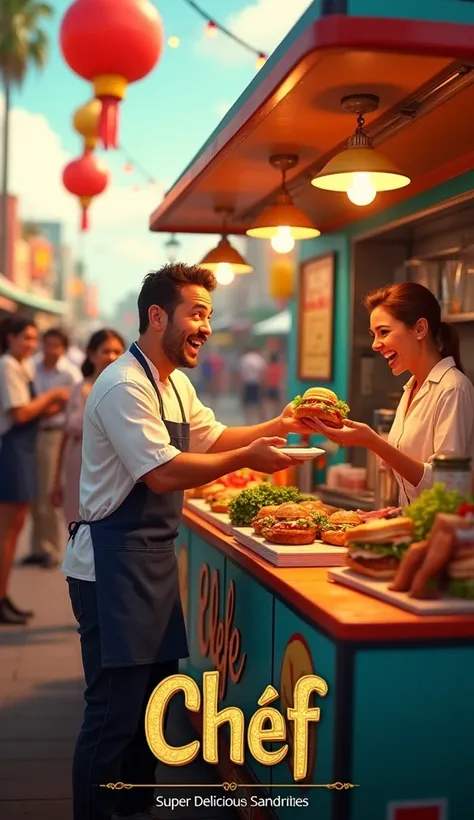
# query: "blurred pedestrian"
[[53, 369], [252, 367], [104, 347], [20, 413], [274, 380]]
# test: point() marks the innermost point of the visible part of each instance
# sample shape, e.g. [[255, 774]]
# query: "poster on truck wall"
[[316, 319]]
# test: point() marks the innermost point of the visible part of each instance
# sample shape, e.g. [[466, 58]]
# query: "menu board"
[[316, 318]]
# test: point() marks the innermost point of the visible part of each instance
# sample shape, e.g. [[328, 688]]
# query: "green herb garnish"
[[244, 508], [424, 509]]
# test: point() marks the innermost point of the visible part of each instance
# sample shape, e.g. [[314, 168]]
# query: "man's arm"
[[127, 416], [194, 469], [234, 437]]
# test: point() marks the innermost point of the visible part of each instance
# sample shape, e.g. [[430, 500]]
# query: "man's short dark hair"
[[57, 333], [163, 287]]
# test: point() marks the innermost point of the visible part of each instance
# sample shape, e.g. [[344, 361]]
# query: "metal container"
[[454, 473], [380, 479]]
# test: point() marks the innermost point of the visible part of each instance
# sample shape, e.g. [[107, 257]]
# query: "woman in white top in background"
[[103, 348], [436, 413], [20, 411]]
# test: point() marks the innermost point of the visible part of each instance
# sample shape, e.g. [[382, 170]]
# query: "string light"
[[213, 27], [173, 41]]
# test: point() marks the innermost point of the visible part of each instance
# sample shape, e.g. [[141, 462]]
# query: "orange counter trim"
[[342, 612]]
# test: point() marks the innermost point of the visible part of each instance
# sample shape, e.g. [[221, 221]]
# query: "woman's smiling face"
[[396, 342]]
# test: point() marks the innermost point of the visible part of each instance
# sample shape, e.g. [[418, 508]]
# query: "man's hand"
[[288, 423], [262, 455]]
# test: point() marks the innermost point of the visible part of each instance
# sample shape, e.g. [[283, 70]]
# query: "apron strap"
[[135, 351], [183, 415]]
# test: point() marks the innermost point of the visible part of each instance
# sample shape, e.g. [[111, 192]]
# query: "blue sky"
[[164, 121]]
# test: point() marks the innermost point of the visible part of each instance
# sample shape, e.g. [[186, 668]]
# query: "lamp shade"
[[283, 213], [338, 173], [225, 254]]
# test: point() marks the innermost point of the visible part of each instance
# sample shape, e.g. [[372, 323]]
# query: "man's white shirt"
[[124, 438]]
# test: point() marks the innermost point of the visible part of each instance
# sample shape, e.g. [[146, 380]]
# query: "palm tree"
[[22, 42]]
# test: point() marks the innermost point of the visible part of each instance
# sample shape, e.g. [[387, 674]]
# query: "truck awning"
[[421, 69]]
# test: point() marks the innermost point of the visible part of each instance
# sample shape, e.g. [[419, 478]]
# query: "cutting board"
[[379, 589], [307, 555], [219, 520]]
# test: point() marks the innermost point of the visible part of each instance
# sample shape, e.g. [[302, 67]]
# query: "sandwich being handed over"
[[323, 404]]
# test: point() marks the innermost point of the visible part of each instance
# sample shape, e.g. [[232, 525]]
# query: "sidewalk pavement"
[[41, 705]]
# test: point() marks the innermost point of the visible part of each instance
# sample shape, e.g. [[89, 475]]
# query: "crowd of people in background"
[[257, 377], [42, 398]]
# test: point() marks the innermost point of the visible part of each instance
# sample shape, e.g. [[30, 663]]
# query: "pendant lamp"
[[360, 171], [283, 222], [224, 260]]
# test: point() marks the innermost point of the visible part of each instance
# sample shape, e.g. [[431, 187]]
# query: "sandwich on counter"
[[293, 532], [334, 531], [377, 547], [264, 518], [442, 564]]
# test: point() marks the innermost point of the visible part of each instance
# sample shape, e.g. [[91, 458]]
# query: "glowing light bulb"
[[224, 273], [211, 29], [283, 241], [260, 62], [173, 41], [362, 191]]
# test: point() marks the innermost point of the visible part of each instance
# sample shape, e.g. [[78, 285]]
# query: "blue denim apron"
[[18, 460], [138, 600]]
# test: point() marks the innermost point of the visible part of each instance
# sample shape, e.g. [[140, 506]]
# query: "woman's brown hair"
[[97, 340], [408, 302]]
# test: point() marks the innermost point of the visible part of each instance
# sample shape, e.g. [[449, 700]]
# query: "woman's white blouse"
[[15, 378], [440, 421]]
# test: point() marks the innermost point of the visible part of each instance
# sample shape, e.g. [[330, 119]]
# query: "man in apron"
[[147, 437]]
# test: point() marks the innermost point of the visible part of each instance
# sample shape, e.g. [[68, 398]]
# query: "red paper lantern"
[[111, 43], [86, 178]]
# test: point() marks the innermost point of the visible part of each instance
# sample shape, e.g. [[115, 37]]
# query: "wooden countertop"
[[344, 613]]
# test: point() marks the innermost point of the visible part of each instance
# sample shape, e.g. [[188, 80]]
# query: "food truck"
[[395, 733]]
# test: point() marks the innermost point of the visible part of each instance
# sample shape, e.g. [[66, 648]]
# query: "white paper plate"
[[302, 453]]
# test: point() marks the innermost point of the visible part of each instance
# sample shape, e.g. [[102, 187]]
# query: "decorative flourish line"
[[232, 786]]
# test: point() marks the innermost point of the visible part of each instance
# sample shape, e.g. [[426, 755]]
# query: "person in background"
[[436, 413], [20, 413], [274, 379], [53, 369], [104, 347], [252, 367]]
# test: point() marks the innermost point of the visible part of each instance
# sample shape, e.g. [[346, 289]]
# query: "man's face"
[[53, 349], [189, 328]]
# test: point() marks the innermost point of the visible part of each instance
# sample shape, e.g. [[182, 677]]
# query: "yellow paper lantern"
[[86, 123], [281, 278]]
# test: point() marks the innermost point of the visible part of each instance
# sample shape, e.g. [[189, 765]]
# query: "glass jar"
[[454, 473]]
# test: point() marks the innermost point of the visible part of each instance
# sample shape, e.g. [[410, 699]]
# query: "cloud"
[[262, 24]]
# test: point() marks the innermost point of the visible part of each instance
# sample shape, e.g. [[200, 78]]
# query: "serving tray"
[[307, 555], [379, 589], [219, 520]]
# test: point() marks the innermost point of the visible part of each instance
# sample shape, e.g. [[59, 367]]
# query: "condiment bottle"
[[454, 473]]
